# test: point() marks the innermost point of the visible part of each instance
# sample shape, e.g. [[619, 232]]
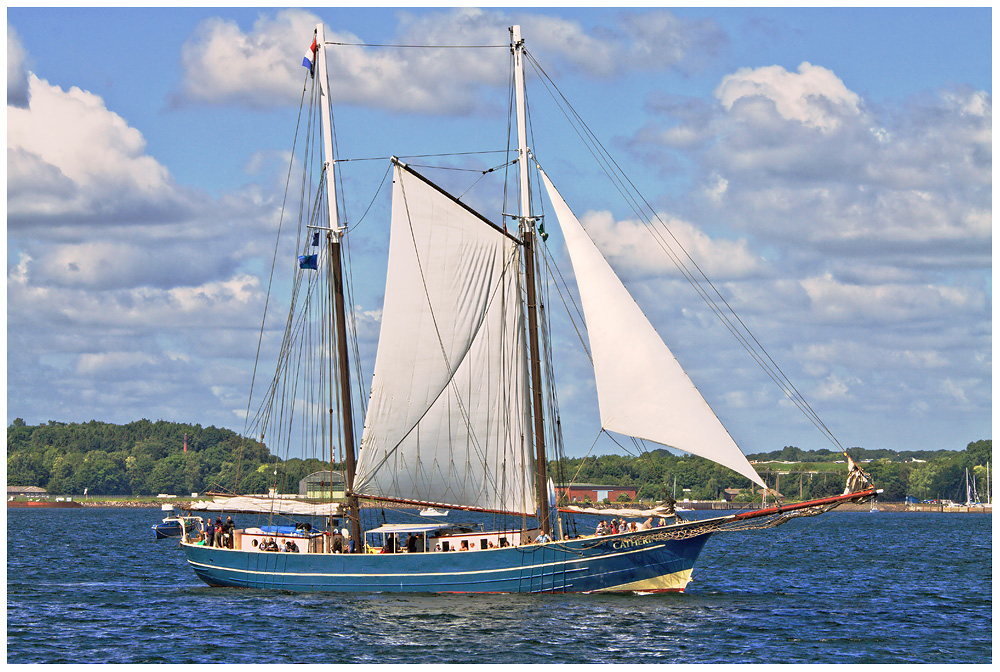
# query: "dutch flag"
[[309, 61]]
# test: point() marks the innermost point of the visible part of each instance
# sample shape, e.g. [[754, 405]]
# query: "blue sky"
[[834, 166]]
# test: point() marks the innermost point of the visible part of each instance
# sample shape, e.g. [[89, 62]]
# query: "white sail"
[[447, 419], [641, 388]]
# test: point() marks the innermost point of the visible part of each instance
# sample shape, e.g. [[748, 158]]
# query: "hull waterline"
[[649, 561]]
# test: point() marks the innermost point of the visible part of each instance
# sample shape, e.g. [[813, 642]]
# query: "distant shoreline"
[[883, 507]]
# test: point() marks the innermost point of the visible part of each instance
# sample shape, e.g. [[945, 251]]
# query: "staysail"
[[447, 420], [641, 388]]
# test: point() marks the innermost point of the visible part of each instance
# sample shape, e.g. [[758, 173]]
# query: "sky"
[[829, 169]]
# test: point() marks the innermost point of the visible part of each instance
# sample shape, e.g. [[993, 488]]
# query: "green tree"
[[891, 477], [25, 468], [922, 479], [138, 469], [167, 476], [63, 476]]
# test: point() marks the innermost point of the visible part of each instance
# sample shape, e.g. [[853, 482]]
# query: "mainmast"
[[334, 237], [526, 224]]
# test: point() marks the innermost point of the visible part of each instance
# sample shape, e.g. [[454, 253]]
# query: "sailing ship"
[[456, 419]]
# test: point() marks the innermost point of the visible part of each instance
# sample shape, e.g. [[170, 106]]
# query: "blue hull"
[[171, 529], [647, 561]]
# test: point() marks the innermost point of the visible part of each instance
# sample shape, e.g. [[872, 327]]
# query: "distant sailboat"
[[456, 413], [971, 495]]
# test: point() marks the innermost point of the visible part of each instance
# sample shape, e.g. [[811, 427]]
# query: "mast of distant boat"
[[526, 225], [334, 237]]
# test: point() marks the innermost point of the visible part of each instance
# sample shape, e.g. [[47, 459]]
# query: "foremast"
[[335, 236], [526, 226]]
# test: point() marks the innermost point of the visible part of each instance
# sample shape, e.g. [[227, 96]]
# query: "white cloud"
[[261, 68], [813, 97], [140, 309], [632, 249], [838, 302], [69, 158], [956, 390], [126, 294], [17, 75], [925, 184], [835, 388], [223, 64], [103, 363]]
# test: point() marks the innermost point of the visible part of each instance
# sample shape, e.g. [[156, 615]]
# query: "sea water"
[[91, 585]]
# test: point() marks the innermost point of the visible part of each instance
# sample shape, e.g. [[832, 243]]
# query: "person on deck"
[[227, 531], [543, 538]]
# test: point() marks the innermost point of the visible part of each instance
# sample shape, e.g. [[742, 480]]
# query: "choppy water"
[[92, 586]]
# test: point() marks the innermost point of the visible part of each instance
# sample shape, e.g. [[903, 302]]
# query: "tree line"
[[146, 458], [657, 474]]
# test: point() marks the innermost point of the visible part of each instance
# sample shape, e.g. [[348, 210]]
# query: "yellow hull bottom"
[[669, 583]]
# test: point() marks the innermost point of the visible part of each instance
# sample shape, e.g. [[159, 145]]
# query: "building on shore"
[[325, 485], [31, 491], [580, 492]]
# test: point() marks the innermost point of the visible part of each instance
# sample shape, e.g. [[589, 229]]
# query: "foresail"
[[447, 418], [641, 388]]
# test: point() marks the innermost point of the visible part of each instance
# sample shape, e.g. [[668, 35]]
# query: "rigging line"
[[265, 404], [455, 168], [418, 46], [585, 457], [619, 444], [796, 398], [355, 349], [270, 283], [424, 156], [374, 198], [776, 374], [274, 258], [288, 338], [351, 318], [579, 334], [757, 351], [478, 180]]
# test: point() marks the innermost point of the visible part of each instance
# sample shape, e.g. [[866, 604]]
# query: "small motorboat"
[[431, 511], [174, 524]]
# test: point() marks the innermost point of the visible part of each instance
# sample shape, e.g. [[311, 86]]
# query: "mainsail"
[[447, 421], [641, 388]]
